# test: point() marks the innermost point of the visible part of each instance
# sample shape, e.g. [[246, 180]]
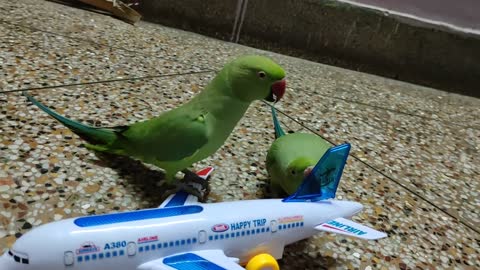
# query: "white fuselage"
[[241, 229]]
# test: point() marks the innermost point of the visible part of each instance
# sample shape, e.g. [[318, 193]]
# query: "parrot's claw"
[[194, 189], [191, 177], [195, 192], [191, 183]]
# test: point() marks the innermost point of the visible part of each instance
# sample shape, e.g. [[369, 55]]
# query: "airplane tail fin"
[[322, 182]]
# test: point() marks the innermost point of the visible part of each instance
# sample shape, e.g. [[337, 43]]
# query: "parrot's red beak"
[[277, 91]]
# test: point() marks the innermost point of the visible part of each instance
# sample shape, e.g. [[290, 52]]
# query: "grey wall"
[[338, 34]]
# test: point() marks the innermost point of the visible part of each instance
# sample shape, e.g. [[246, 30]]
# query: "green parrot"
[[176, 139], [291, 157]]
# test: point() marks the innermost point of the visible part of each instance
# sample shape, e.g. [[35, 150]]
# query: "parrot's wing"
[[172, 136]]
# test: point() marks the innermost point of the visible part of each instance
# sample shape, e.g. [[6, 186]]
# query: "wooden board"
[[117, 8]]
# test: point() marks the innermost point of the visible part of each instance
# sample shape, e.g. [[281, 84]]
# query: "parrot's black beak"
[[277, 90]]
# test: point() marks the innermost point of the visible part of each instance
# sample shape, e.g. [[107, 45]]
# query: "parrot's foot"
[[191, 183], [275, 191], [194, 189], [191, 177]]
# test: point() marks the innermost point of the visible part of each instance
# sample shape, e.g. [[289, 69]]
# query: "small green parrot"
[[176, 139], [291, 157]]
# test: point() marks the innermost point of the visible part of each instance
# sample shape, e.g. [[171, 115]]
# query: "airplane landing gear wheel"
[[263, 262]]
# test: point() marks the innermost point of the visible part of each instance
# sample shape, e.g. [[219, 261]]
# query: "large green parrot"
[[292, 156], [176, 139]]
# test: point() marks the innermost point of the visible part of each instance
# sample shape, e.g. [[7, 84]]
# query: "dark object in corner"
[[116, 8]]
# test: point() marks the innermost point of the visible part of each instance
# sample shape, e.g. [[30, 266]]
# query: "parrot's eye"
[[293, 172], [261, 74]]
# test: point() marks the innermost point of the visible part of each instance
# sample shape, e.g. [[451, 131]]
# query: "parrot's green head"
[[255, 77], [297, 170]]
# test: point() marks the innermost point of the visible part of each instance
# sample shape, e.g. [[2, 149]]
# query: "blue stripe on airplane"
[[98, 220]]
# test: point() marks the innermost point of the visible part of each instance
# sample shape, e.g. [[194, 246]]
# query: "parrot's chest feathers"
[[222, 112], [220, 117]]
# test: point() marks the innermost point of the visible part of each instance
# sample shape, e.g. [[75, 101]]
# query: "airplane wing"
[[183, 198], [348, 227], [205, 259]]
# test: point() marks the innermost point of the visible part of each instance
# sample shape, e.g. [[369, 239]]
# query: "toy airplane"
[[185, 234]]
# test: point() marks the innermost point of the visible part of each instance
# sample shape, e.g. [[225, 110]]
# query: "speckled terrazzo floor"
[[415, 162]]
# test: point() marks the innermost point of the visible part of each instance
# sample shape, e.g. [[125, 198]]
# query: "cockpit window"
[[18, 258]]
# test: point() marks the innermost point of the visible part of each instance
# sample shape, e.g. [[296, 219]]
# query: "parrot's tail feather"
[[276, 124], [89, 133]]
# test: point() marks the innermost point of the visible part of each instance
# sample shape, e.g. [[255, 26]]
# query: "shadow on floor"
[[144, 179]]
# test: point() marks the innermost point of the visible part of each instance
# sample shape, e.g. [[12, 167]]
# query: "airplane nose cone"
[[352, 208], [6, 262], [346, 209]]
